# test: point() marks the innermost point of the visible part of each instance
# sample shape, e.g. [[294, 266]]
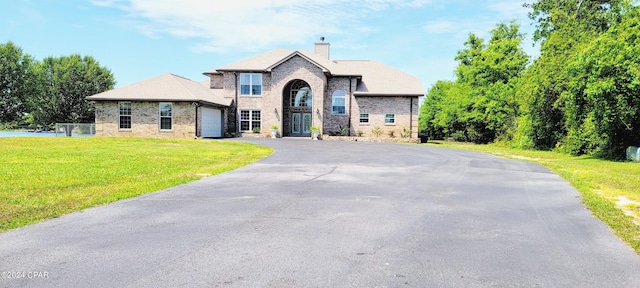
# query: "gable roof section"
[[305, 56], [377, 79], [267, 61], [258, 63], [166, 87], [381, 80]]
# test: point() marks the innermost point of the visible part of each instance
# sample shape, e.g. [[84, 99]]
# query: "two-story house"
[[293, 90]]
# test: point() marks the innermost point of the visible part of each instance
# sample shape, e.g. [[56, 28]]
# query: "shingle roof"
[[377, 79], [269, 60], [166, 87]]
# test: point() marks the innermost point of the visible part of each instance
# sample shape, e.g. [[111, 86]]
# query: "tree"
[[544, 83], [480, 106], [502, 60], [565, 28], [444, 112], [66, 81], [596, 15], [604, 100], [492, 72], [16, 82], [468, 58]]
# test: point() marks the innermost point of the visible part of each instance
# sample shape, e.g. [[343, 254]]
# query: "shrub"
[[377, 131], [405, 133], [344, 130]]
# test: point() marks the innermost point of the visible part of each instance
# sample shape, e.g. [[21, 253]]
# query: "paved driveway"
[[335, 214]]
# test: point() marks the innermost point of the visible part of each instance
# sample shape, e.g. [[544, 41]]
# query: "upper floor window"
[[251, 84], [301, 95], [338, 100], [124, 115], [166, 115]]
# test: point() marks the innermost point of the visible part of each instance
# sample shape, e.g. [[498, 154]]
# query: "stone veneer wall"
[[144, 120], [377, 107]]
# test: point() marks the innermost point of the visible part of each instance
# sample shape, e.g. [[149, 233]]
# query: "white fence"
[[75, 129]]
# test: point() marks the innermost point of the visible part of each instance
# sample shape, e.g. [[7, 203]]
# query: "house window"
[[166, 115], [301, 95], [364, 118], [251, 84], [390, 119], [338, 103], [249, 119], [124, 115]]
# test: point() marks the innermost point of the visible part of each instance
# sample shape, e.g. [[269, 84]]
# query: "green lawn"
[[611, 190], [45, 177]]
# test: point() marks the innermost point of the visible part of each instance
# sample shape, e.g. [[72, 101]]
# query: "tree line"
[[41, 93], [580, 96]]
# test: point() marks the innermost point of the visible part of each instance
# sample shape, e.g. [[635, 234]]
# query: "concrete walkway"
[[334, 214]]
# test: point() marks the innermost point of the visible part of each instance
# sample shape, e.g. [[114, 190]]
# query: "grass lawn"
[[45, 177], [610, 189]]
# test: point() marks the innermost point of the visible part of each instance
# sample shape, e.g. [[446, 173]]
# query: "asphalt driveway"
[[334, 214]]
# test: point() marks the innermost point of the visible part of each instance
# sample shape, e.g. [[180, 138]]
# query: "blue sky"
[[140, 39]]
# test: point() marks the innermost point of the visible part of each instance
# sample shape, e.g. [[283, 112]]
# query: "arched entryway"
[[298, 109]]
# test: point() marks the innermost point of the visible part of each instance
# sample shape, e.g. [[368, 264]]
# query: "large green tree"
[[480, 106], [596, 15], [17, 83], [500, 60], [445, 112], [543, 85], [603, 102], [66, 81], [565, 28]]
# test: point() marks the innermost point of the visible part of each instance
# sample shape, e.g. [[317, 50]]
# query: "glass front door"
[[306, 123], [295, 123], [300, 124]]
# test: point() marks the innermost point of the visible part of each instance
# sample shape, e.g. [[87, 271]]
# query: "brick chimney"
[[322, 48]]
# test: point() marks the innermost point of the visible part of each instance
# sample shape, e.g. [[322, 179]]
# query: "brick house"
[[167, 106], [293, 90]]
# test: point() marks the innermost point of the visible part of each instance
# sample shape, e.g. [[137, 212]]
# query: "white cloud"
[[250, 25], [481, 23], [510, 10], [444, 26], [106, 3], [459, 29]]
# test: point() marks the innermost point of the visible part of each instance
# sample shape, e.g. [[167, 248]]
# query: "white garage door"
[[211, 122]]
